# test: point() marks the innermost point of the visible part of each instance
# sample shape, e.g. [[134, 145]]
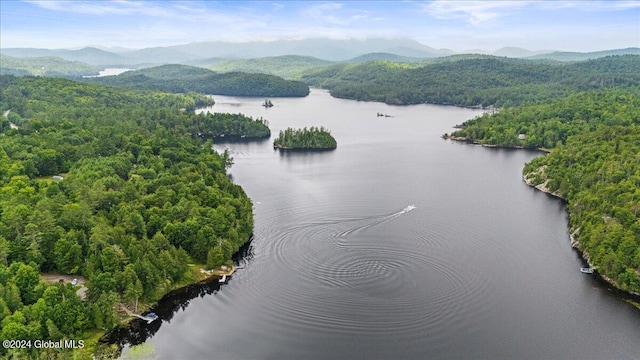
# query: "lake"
[[108, 72], [397, 245]]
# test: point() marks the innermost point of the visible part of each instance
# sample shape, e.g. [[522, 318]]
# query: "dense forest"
[[311, 138], [474, 80], [109, 184], [219, 125], [594, 165], [549, 124], [287, 66], [183, 78]]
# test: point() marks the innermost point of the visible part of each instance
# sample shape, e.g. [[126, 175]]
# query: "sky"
[[456, 25]]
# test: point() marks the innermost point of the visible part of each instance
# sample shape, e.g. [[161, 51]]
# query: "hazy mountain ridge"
[[517, 52], [290, 59], [324, 49], [320, 48], [578, 56], [88, 55], [386, 57]]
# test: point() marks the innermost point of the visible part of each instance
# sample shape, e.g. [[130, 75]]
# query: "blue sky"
[[456, 25]]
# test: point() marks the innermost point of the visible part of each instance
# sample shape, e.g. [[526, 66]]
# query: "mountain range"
[[324, 49]]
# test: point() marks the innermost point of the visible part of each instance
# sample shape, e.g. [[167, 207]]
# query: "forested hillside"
[[183, 78], [578, 56], [549, 124], [475, 81], [137, 199], [288, 66], [594, 165], [45, 66]]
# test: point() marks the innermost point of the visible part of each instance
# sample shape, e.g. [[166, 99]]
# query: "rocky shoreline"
[[634, 297]]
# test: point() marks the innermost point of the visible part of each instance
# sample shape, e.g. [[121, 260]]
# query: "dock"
[[149, 318], [225, 273]]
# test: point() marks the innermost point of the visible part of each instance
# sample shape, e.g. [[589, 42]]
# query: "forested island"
[[313, 138], [108, 184], [184, 78], [594, 164], [473, 80]]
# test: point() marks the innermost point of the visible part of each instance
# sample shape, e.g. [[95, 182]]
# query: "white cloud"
[[321, 10], [116, 7], [473, 12], [590, 5], [331, 13]]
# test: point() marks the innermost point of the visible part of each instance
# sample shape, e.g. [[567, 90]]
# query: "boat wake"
[[373, 221]]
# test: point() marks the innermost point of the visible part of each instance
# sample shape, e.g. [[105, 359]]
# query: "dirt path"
[[54, 278], [6, 116]]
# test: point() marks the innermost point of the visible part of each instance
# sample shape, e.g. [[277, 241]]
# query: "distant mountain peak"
[[516, 52]]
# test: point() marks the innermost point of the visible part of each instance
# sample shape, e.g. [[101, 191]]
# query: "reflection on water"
[[138, 330]]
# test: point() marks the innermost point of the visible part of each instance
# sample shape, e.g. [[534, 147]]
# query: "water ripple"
[[349, 277]]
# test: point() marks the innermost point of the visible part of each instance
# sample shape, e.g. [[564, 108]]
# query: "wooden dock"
[[224, 274], [145, 318]]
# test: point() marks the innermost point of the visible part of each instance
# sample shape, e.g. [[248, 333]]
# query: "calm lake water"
[[397, 245]]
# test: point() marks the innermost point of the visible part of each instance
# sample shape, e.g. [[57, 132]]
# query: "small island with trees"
[[313, 138]]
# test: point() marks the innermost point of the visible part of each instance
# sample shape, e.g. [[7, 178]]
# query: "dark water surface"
[[397, 245]]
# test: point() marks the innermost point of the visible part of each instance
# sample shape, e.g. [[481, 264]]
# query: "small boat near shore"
[[587, 270], [150, 317]]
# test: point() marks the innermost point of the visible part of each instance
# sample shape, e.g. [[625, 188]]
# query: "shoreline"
[[125, 313], [630, 296], [400, 103], [284, 148], [209, 275], [447, 136]]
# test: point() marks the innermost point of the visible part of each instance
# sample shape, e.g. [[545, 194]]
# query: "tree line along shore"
[[593, 139], [109, 184]]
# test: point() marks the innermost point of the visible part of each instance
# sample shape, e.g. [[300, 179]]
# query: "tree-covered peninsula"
[[109, 185], [594, 163], [313, 138], [234, 126], [183, 78], [473, 80]]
